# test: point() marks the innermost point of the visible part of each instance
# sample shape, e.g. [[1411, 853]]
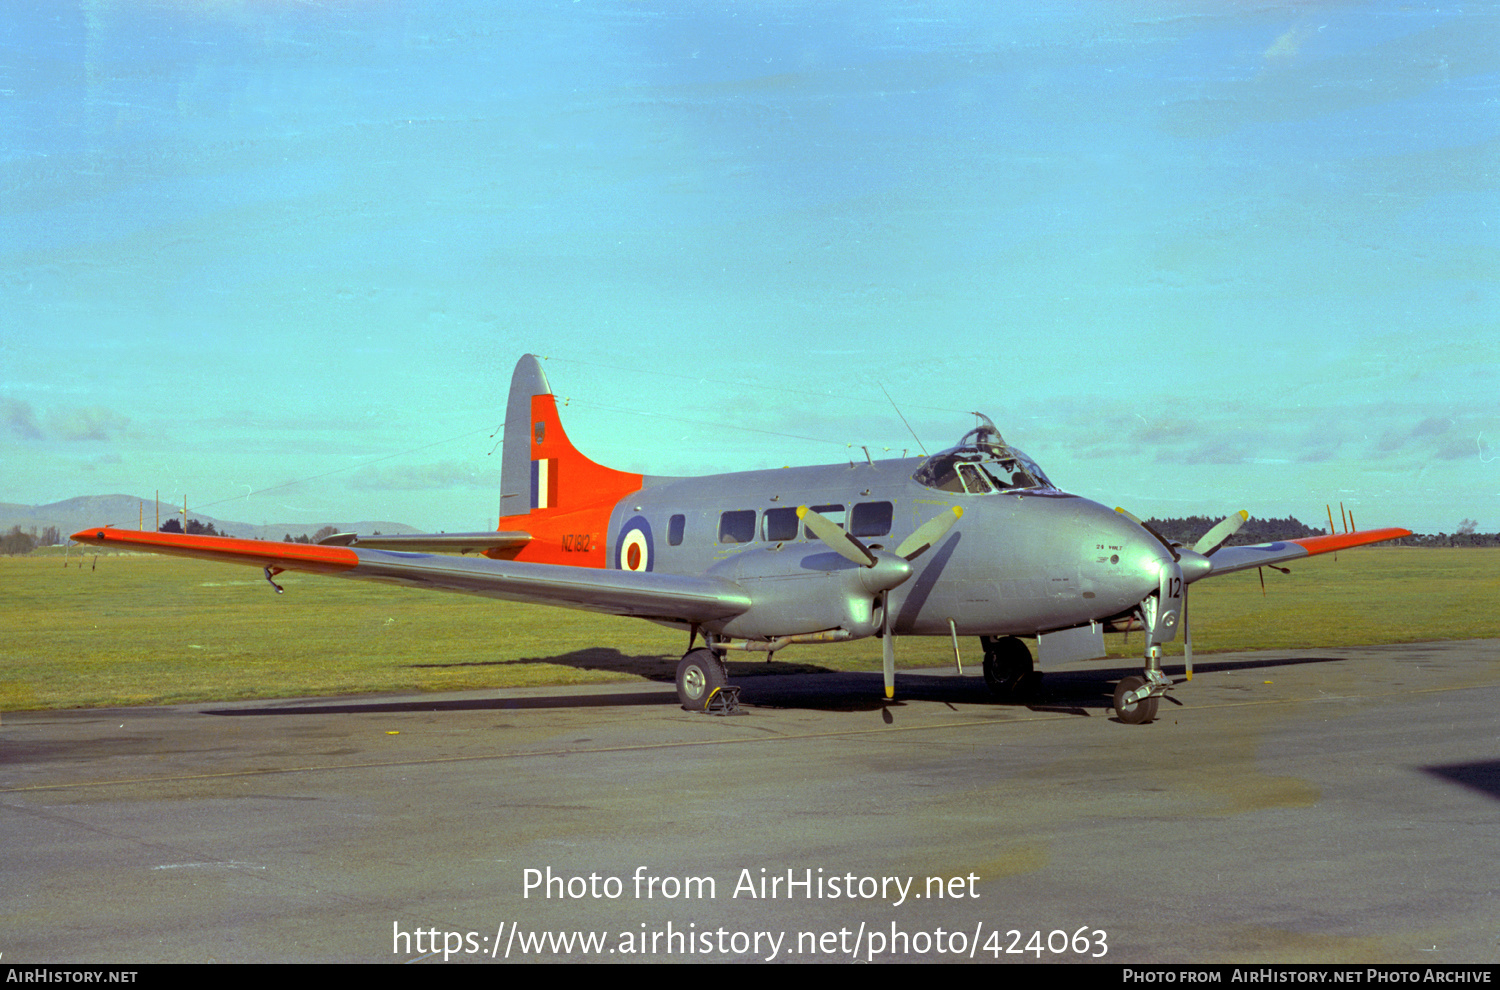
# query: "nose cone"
[[1138, 556], [887, 572], [1194, 565]]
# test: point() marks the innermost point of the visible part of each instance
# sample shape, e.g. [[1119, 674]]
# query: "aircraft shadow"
[[785, 685], [1483, 777], [457, 705], [865, 692], [653, 667], [1071, 692], [1204, 666]]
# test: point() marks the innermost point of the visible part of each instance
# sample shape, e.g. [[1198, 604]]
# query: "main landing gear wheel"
[[699, 674], [1135, 714], [1008, 671]]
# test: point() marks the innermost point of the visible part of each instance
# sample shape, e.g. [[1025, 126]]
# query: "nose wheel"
[[1130, 707]]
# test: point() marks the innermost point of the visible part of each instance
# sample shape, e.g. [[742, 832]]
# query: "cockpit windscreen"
[[982, 463]]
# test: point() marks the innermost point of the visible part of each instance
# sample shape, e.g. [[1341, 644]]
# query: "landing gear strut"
[[1161, 611], [1008, 670]]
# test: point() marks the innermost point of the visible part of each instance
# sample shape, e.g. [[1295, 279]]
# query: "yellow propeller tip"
[[890, 692]]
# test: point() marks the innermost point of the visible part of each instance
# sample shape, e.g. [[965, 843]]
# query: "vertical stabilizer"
[[546, 481], [515, 466]]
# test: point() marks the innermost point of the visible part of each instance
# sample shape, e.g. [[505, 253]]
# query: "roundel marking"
[[634, 550]]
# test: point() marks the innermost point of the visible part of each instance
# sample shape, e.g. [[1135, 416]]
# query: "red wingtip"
[[1343, 541], [302, 556]]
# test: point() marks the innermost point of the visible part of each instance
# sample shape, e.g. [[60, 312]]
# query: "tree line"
[[196, 528], [19, 542], [1187, 531], [1190, 529]]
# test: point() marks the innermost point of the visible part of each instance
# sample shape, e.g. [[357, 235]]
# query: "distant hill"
[[124, 511]]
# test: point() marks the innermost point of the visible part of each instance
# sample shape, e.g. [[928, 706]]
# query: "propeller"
[[1208, 544], [923, 538]]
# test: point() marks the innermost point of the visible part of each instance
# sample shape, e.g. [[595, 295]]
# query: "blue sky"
[[1192, 257]]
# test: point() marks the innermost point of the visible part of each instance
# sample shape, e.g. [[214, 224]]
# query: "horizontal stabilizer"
[[432, 542]]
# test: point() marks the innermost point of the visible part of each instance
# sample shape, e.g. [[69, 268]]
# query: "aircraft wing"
[[647, 595], [1227, 560]]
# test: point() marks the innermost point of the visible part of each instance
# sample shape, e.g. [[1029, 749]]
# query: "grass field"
[[127, 629]]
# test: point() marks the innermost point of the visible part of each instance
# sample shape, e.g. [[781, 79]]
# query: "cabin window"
[[675, 526], [737, 526], [779, 525], [871, 519], [833, 513]]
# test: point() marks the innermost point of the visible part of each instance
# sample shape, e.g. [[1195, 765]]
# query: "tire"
[[699, 675], [1008, 670], [1139, 713]]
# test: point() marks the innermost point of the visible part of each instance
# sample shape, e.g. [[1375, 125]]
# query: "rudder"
[[515, 465]]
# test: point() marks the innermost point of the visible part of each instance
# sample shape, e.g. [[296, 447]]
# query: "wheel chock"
[[724, 701]]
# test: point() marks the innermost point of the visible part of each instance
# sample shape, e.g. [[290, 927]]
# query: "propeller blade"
[[834, 536], [1187, 635], [1215, 538], [887, 646], [889, 649], [929, 533]]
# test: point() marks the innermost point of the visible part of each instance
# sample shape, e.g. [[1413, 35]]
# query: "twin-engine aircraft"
[[972, 541]]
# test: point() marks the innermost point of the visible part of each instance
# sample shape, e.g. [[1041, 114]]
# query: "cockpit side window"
[[1009, 474], [941, 473]]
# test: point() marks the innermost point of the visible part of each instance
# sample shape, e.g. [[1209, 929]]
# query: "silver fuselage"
[[1018, 562]]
